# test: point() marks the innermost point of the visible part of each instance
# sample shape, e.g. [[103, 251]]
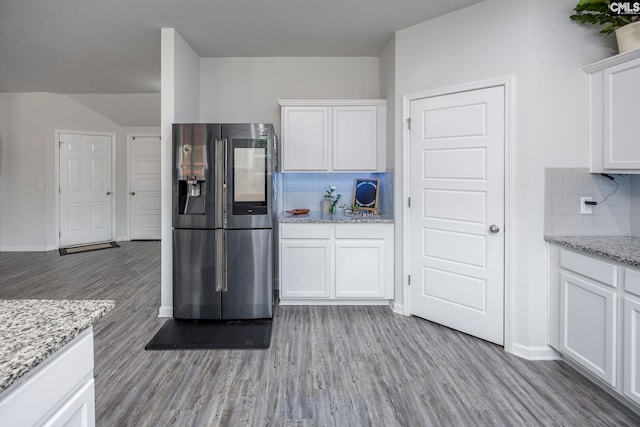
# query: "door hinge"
[[409, 202], [59, 190], [409, 123], [59, 233], [409, 280]]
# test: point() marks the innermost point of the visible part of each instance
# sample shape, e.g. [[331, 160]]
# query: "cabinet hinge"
[[409, 123], [409, 202], [59, 190], [59, 233], [409, 280]]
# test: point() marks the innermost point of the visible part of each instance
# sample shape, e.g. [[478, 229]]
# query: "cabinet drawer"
[[368, 231], [306, 231], [598, 270], [632, 281]]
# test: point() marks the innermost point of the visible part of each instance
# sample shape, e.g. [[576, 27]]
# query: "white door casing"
[[457, 189], [85, 188], [144, 187]]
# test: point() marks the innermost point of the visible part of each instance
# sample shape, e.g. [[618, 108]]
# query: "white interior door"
[[144, 187], [85, 189], [457, 211]]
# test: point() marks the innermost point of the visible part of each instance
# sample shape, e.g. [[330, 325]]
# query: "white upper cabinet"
[[305, 138], [333, 135], [615, 108]]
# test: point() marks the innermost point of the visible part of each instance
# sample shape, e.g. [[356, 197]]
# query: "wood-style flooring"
[[327, 366]]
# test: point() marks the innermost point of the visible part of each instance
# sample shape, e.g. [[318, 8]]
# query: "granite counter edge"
[[570, 242], [18, 369]]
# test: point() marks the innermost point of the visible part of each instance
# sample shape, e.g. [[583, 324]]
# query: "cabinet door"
[[632, 349], [305, 266], [354, 138], [588, 326], [621, 112], [305, 138], [360, 269], [78, 411]]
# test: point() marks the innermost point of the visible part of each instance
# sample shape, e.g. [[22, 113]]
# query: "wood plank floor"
[[327, 366]]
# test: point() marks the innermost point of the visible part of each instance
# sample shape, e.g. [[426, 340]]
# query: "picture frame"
[[365, 194]]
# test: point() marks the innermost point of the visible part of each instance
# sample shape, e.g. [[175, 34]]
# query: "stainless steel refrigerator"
[[222, 221]]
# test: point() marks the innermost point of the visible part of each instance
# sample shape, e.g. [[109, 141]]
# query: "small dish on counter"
[[298, 211]]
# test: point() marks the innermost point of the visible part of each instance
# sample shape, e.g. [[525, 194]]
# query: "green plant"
[[334, 203], [597, 12], [329, 193]]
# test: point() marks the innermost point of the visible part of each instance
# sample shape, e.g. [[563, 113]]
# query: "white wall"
[[246, 90], [28, 165], [180, 88], [126, 109], [535, 41], [28, 209]]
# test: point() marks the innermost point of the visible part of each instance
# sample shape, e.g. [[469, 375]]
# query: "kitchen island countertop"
[[339, 218], [33, 330], [617, 248]]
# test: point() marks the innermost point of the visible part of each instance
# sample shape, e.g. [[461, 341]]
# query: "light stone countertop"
[[33, 330], [339, 218], [617, 248]]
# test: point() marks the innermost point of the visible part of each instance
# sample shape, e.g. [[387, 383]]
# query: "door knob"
[[108, 193], [494, 228], [133, 193]]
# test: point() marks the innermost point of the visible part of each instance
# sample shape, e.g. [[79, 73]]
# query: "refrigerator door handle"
[[219, 178], [225, 288], [224, 185], [275, 153], [220, 250]]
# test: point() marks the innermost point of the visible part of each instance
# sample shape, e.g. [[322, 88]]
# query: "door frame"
[[507, 83], [130, 137], [56, 174]]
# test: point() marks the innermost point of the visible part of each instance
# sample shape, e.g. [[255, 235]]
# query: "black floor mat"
[[211, 334], [87, 248]]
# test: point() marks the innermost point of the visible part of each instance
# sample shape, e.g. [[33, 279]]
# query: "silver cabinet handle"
[[494, 228], [108, 193], [133, 193]]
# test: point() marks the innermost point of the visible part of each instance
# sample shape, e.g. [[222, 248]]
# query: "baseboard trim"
[[27, 248], [398, 308], [122, 239], [309, 301], [165, 312], [535, 352]]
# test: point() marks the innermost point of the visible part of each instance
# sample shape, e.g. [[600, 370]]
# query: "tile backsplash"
[[305, 190], [635, 205], [612, 217]]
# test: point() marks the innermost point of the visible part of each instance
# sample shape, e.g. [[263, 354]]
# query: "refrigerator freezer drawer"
[[249, 291], [222, 274], [194, 275]]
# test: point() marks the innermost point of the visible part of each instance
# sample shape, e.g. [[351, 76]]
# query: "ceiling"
[[113, 46]]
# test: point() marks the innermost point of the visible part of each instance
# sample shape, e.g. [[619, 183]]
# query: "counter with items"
[[338, 218], [336, 259]]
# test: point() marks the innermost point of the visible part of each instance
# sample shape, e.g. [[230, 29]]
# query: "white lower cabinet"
[[78, 411], [58, 392], [594, 319], [336, 263], [305, 268], [632, 349], [588, 325], [360, 269]]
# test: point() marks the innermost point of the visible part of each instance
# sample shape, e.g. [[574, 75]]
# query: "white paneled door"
[[85, 188], [457, 211], [144, 187]]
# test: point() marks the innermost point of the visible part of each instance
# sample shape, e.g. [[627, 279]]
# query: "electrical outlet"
[[586, 209]]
